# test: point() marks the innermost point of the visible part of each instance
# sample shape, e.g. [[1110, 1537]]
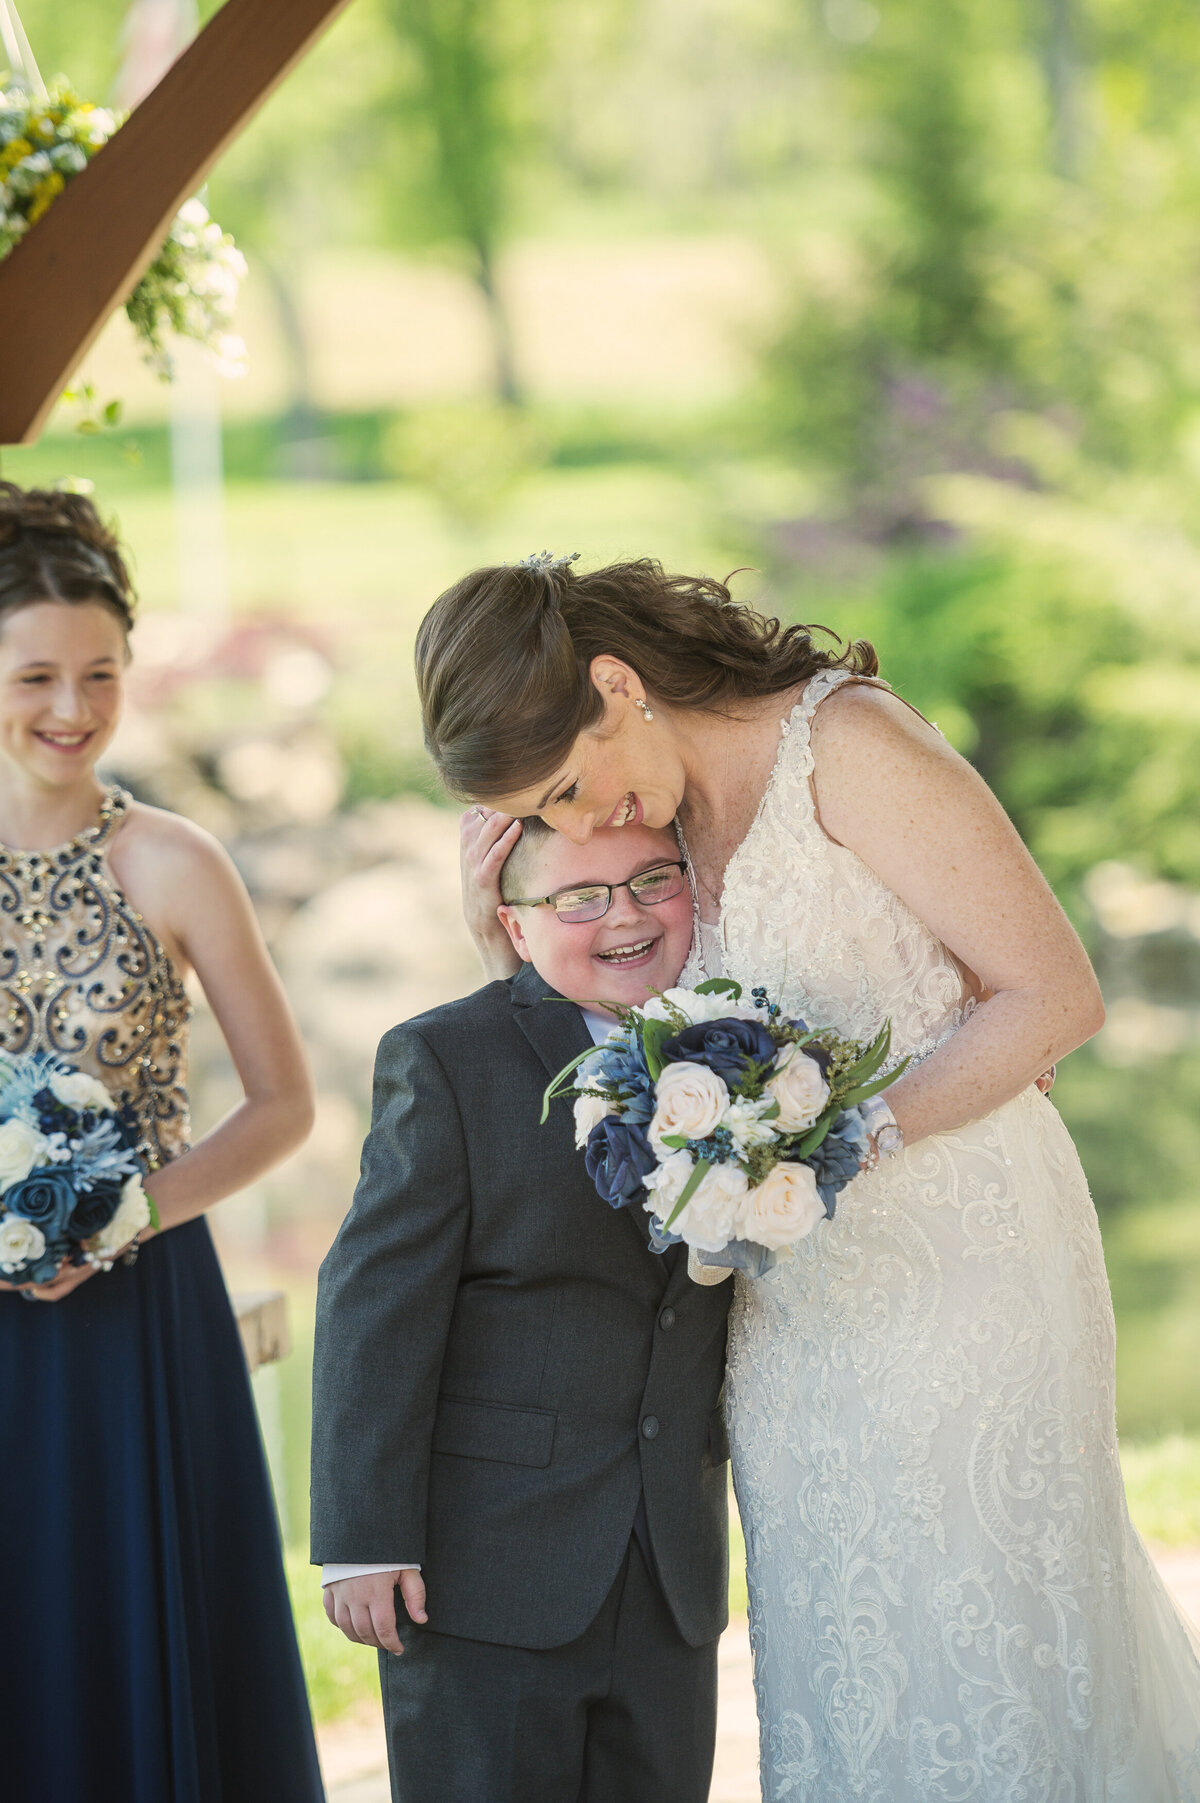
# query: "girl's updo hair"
[[504, 657], [55, 547]]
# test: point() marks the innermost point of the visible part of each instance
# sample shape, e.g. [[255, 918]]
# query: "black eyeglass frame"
[[549, 901]]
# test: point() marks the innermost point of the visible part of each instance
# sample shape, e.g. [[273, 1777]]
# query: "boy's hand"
[[365, 1608]]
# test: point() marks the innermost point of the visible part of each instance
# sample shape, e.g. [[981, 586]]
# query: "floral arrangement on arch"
[[190, 289], [732, 1125]]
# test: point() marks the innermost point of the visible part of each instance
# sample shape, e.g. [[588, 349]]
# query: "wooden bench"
[[263, 1320]]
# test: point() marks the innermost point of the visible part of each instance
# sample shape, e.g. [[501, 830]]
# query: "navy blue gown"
[[147, 1652]]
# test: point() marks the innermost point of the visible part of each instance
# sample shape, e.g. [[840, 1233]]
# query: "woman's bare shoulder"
[[166, 853], [865, 719]]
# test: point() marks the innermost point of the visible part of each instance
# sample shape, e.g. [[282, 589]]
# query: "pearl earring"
[[647, 711]]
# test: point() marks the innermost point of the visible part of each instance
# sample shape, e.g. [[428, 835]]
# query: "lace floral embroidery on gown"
[[947, 1598]]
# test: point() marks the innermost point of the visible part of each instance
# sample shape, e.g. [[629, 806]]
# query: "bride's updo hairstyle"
[[55, 547], [504, 657]]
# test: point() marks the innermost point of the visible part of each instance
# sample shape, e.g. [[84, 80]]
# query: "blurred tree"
[[471, 65]]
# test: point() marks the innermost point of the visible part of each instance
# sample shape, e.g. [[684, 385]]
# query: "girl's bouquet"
[[70, 1186], [733, 1126]]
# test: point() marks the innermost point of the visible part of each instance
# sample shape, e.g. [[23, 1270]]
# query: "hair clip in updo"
[[545, 561]]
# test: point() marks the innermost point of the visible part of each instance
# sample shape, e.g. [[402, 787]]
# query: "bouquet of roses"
[[734, 1126], [70, 1186]]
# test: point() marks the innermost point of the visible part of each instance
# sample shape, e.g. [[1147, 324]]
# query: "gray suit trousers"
[[624, 1714]]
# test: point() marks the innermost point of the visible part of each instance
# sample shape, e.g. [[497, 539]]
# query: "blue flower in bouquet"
[[839, 1157], [44, 1269], [93, 1210], [46, 1198], [622, 1066], [725, 1046], [618, 1157]]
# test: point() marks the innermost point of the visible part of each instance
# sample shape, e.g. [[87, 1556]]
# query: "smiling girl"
[[149, 1650]]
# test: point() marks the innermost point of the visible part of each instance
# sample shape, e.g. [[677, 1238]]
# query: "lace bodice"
[[807, 918], [82, 976]]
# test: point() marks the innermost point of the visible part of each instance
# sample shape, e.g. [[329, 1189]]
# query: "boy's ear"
[[511, 921]]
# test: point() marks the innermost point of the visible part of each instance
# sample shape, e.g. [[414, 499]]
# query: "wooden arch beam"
[[90, 249]]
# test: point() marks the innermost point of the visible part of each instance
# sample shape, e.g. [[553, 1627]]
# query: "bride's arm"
[[485, 839], [888, 787]]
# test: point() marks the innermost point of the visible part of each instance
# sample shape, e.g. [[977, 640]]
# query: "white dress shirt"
[[599, 1026]]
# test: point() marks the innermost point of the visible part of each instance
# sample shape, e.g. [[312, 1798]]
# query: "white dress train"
[[948, 1602]]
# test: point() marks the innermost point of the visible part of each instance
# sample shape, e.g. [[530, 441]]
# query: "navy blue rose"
[[618, 1157], [45, 1268], [838, 1158], [44, 1197], [94, 1209], [725, 1046]]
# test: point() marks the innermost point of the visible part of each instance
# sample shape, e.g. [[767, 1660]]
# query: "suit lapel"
[[557, 1031]]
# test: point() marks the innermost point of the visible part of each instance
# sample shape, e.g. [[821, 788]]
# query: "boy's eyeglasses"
[[649, 887]]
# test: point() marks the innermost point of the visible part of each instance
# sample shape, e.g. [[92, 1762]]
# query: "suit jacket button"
[[667, 1318], [650, 1427]]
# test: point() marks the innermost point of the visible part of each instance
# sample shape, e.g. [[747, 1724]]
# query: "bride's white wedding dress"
[[947, 1599]]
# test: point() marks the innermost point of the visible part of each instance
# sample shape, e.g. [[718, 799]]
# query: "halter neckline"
[[114, 805]]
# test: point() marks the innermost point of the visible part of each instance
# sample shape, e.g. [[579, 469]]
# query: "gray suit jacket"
[[502, 1365]]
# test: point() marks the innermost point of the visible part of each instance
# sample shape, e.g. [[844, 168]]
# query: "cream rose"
[[75, 1089], [690, 1100], [800, 1089], [589, 1111], [783, 1208], [133, 1213], [20, 1241], [713, 1215], [22, 1149]]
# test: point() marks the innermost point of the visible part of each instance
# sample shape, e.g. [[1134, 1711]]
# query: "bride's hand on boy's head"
[[485, 840]]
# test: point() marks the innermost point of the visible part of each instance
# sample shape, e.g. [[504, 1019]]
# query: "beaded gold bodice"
[[82, 976]]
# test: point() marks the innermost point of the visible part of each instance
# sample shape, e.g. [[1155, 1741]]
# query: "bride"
[[947, 1598]]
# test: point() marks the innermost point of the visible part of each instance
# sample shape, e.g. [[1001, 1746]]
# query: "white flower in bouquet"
[[690, 1101], [784, 1207], [22, 1148], [696, 1008], [743, 1120], [75, 1089], [20, 1241], [589, 1111], [133, 1213], [799, 1087], [713, 1215]]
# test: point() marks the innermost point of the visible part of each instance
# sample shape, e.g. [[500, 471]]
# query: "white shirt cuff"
[[333, 1574]]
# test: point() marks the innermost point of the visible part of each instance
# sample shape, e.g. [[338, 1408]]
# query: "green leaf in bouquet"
[[815, 1135], [720, 986], [771, 1113], [676, 1141], [866, 1090], [653, 1034], [558, 1085], [872, 1058], [155, 1217], [700, 1172]]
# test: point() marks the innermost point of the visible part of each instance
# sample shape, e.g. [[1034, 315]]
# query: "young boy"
[[517, 1427]]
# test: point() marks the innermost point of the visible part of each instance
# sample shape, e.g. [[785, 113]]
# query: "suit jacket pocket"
[[493, 1430], [718, 1437]]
